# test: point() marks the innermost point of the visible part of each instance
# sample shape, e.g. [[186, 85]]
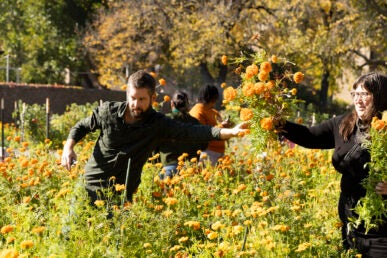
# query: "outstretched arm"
[[240, 129]]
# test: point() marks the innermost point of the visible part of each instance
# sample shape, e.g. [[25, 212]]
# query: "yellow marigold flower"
[[162, 82], [229, 93], [237, 229], [167, 98], [248, 89], [265, 67], [26, 244], [99, 203], [170, 201], [193, 224], [217, 225], [267, 123], [298, 77], [6, 229], [9, 253], [246, 114], [212, 235], [263, 76], [38, 230], [123, 87], [224, 60], [147, 245], [274, 59], [183, 239], [293, 91], [302, 247], [119, 187], [223, 85]]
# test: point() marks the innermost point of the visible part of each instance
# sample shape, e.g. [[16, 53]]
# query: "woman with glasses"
[[345, 134]]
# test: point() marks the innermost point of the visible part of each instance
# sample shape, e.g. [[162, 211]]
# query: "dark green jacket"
[[119, 141], [172, 149]]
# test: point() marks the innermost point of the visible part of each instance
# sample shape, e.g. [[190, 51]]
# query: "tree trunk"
[[324, 90], [206, 75]]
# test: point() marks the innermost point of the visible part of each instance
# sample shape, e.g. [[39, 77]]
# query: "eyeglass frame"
[[362, 94]]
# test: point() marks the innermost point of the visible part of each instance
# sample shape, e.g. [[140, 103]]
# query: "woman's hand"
[[381, 188]]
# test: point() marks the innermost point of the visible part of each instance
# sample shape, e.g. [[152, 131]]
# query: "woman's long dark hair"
[[376, 84]]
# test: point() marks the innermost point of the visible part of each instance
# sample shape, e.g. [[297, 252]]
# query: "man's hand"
[[68, 154], [239, 130]]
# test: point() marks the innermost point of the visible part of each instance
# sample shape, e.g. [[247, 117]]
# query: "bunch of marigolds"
[[265, 96]]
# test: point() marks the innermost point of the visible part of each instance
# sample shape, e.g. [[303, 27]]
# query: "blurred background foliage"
[[183, 41]]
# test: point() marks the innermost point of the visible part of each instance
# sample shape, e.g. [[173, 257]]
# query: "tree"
[[41, 36]]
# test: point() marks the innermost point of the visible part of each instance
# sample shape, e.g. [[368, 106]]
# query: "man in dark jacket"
[[129, 132]]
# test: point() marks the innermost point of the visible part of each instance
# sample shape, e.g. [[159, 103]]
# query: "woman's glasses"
[[357, 94]]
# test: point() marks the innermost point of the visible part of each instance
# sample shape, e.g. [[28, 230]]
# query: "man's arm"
[[239, 130], [68, 155]]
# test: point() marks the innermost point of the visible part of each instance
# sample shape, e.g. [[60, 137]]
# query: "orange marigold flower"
[[259, 87], [6, 229], [123, 87], [298, 77], [167, 98], [265, 67], [223, 85], [170, 201], [25, 144], [224, 60], [274, 59], [246, 114], [378, 124], [248, 89], [263, 76], [26, 244], [229, 93], [38, 230], [270, 84], [193, 224], [154, 75], [162, 82], [267, 123], [251, 70], [17, 138], [155, 104]]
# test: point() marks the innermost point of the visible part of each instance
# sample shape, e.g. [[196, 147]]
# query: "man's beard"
[[138, 113]]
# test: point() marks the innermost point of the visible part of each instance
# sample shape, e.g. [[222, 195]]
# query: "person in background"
[[345, 134], [170, 150], [129, 132], [206, 113]]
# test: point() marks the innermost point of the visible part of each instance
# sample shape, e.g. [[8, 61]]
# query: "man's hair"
[[142, 79], [208, 93]]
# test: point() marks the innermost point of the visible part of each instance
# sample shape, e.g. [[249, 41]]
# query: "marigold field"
[[281, 203]]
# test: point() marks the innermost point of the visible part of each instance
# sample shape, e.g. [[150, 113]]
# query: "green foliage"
[[32, 121], [372, 209]]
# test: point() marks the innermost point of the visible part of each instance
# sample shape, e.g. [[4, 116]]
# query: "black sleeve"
[[316, 137]]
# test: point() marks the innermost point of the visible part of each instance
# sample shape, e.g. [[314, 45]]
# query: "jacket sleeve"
[[184, 131], [85, 126], [316, 137]]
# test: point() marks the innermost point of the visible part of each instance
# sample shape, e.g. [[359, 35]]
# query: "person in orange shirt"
[[205, 112]]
